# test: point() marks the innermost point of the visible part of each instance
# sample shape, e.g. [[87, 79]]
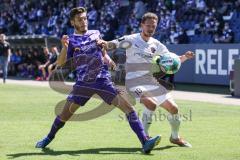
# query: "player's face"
[[80, 22], [149, 27]]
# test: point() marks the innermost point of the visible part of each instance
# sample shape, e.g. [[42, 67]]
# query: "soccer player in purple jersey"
[[92, 78]]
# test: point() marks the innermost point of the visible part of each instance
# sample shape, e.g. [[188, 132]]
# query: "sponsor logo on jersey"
[[143, 55], [153, 50]]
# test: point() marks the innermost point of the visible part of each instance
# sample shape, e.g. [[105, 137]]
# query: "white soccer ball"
[[168, 63]]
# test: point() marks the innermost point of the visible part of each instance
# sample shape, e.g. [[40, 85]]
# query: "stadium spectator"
[[227, 34], [201, 5], [44, 67], [200, 29], [52, 61], [25, 65], [14, 60], [20, 60], [30, 63], [183, 38], [5, 54], [237, 5], [173, 36], [139, 9], [92, 16]]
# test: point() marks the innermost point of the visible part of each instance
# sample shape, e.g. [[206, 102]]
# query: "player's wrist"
[[186, 56], [110, 45]]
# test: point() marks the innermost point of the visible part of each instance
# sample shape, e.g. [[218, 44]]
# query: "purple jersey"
[[87, 56]]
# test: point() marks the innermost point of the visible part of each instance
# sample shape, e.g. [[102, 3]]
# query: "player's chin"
[[83, 30], [150, 34]]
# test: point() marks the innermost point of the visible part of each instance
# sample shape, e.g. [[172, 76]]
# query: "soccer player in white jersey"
[[140, 50]]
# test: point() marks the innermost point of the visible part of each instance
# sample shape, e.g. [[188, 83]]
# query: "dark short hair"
[[76, 11], [149, 15]]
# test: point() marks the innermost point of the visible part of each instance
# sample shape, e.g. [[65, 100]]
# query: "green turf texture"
[[26, 114]]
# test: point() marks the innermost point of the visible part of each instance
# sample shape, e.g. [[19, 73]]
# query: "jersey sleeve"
[[118, 41], [98, 34]]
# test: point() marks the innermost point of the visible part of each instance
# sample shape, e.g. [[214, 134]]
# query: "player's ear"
[[72, 22], [141, 24]]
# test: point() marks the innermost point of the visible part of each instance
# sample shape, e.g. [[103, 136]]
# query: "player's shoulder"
[[154, 40], [157, 42], [89, 32], [71, 36], [133, 36], [129, 37], [93, 32]]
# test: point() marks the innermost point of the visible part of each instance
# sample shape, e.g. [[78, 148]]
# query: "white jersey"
[[139, 56], [140, 50]]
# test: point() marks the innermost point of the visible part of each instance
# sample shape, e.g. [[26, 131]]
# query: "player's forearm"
[[107, 45], [111, 45], [62, 57], [107, 59], [186, 56], [183, 58]]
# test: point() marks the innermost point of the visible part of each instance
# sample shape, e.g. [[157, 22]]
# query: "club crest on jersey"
[[153, 50], [77, 49]]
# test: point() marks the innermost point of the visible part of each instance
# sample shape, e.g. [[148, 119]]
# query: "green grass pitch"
[[26, 114]]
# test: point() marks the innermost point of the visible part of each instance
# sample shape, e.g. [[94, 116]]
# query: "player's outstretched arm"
[[106, 58], [63, 54], [186, 56], [107, 45]]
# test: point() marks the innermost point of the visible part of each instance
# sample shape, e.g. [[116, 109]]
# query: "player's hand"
[[189, 54], [102, 43], [65, 41]]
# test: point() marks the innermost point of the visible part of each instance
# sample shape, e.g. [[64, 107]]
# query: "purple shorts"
[[83, 91]]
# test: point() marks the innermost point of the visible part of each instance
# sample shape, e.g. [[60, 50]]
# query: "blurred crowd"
[[181, 21], [37, 63]]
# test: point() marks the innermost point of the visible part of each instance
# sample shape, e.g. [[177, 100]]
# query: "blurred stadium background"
[[210, 28]]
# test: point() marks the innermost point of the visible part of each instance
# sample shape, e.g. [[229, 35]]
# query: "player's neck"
[[79, 32], [144, 37]]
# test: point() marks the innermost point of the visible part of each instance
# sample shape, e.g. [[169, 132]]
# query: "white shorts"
[[138, 84], [138, 91]]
